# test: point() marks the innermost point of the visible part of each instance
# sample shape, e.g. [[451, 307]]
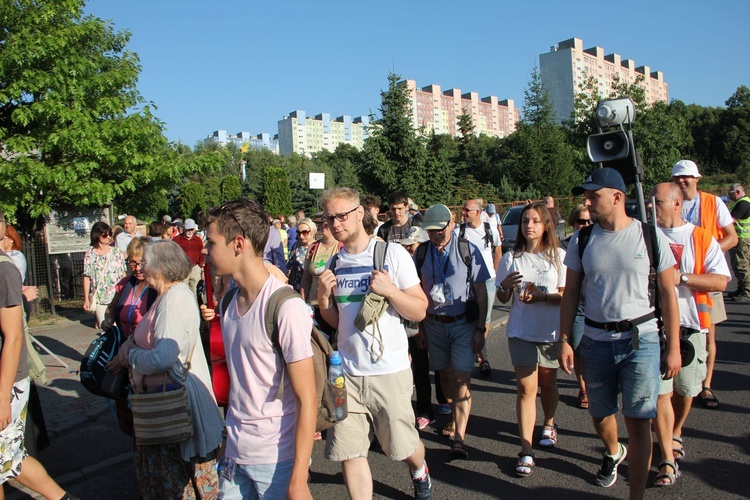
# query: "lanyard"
[[442, 264], [691, 212], [134, 303]]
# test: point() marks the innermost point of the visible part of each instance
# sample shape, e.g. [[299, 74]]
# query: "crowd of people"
[[597, 303]]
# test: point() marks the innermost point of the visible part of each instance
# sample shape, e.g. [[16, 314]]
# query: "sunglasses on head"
[[583, 222]]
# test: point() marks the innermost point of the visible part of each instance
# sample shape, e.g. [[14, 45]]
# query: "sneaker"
[[423, 486], [445, 409], [607, 475], [422, 422]]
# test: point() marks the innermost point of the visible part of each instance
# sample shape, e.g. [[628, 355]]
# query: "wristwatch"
[[683, 279]]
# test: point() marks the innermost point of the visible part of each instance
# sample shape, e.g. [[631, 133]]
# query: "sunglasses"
[[305, 232], [105, 235], [328, 219], [584, 222]]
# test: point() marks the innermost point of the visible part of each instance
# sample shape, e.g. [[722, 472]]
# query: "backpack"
[[325, 392], [93, 371], [652, 248], [488, 239]]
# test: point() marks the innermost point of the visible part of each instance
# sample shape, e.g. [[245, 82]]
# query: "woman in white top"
[[533, 276]]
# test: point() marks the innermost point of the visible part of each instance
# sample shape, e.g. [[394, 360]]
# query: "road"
[[92, 458]]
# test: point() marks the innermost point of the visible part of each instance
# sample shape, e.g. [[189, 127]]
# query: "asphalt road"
[[717, 444]]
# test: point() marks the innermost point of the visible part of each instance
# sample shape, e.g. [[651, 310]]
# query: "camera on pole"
[[613, 146]]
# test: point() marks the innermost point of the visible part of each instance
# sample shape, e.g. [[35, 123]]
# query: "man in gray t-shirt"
[[620, 348]]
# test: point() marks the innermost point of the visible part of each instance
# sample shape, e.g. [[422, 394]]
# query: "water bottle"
[[336, 377]]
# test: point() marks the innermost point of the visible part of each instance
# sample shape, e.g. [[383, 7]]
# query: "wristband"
[[501, 288]]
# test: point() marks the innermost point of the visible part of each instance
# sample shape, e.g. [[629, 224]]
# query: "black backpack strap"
[[226, 299], [652, 248], [464, 250], [462, 230], [420, 255], [583, 239]]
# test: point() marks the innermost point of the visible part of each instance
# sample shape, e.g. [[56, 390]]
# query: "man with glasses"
[[192, 245], [487, 239], [453, 338], [400, 223], [376, 360], [709, 212], [741, 253]]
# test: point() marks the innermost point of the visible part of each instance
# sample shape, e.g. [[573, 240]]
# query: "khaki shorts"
[[718, 311], [378, 405], [525, 353], [689, 381]]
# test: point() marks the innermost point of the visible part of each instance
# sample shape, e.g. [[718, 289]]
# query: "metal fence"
[[59, 277]]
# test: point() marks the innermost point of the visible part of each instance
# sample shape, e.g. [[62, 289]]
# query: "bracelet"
[[501, 288]]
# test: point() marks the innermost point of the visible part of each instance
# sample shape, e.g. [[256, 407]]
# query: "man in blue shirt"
[[455, 328]]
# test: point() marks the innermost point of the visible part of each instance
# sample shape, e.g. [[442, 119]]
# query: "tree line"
[[75, 133]]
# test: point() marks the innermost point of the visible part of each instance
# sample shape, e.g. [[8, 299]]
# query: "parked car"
[[510, 221]]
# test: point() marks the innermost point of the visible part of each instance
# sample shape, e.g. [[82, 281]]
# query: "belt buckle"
[[622, 326]]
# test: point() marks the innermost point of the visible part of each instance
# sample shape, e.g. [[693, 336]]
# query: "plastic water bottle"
[[336, 377]]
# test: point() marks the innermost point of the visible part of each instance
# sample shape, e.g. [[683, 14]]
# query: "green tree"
[[277, 197], [735, 132], [442, 157], [74, 130], [394, 154], [231, 188], [192, 200]]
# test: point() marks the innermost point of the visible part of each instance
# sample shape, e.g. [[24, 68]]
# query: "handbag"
[[95, 376], [162, 417]]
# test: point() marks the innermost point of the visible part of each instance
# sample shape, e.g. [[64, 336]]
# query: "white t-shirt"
[[477, 236], [691, 212], [261, 428], [683, 249], [353, 274], [538, 322]]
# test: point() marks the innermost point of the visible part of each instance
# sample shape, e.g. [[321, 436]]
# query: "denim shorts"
[[257, 481], [449, 345], [610, 368]]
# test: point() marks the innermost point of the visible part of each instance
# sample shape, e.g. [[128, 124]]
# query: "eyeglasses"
[[226, 207], [584, 222], [328, 219], [305, 233], [105, 235], [135, 265], [467, 210]]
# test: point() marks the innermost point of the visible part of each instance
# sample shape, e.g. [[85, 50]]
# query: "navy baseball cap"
[[601, 178]]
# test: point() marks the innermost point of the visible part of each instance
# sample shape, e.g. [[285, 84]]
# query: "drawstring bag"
[[372, 309]]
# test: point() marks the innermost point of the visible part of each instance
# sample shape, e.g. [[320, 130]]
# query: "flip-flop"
[[709, 402], [485, 369], [583, 401], [449, 430], [458, 451]]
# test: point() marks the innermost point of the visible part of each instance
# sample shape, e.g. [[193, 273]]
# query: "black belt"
[[619, 326], [446, 319], [685, 331]]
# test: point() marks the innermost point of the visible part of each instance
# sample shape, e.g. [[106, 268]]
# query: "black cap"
[[601, 178]]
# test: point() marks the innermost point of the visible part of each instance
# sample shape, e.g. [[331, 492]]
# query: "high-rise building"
[[439, 110], [261, 141], [568, 65], [305, 135]]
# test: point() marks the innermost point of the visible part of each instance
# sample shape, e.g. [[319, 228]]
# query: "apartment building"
[[304, 135], [568, 65], [261, 141], [438, 110]]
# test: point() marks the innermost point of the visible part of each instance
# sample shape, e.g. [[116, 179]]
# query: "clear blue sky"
[[241, 65]]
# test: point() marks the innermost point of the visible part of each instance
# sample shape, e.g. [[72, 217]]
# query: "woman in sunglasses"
[[306, 230], [103, 268], [579, 217]]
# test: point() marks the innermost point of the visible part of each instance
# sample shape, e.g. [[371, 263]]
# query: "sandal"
[[709, 402], [583, 400], [679, 452], [458, 451], [666, 475], [485, 369], [549, 436], [449, 430], [525, 464]]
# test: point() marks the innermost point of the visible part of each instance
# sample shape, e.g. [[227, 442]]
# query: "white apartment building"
[[304, 135], [567, 65], [259, 142]]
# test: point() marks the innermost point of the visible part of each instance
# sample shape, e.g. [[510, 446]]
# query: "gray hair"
[[167, 260], [292, 220]]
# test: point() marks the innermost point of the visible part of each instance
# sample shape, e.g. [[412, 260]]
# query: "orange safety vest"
[[702, 239], [710, 215]]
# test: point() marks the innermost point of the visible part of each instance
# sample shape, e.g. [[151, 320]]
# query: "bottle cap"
[[336, 358]]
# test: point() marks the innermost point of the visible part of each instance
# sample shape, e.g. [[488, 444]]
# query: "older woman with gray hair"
[[306, 230], [157, 353]]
